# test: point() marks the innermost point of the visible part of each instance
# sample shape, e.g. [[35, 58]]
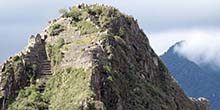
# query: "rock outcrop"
[[23, 69], [91, 58]]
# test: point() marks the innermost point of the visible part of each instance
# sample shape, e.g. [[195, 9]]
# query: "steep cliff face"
[[91, 58], [22, 70]]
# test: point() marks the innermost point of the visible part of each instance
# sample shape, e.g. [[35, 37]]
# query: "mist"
[[201, 47]]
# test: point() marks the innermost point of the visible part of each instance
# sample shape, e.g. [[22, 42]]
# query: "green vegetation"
[[15, 68], [73, 13], [29, 99], [140, 90], [105, 14], [15, 58], [120, 40], [109, 51], [55, 51], [102, 37], [110, 78], [96, 10], [83, 11], [18, 68], [162, 66], [68, 88], [107, 68], [86, 18], [94, 18], [83, 49], [56, 29], [86, 27], [85, 40], [122, 31], [21, 74], [6, 73]]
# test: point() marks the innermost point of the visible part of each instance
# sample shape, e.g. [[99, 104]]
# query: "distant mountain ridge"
[[196, 80]]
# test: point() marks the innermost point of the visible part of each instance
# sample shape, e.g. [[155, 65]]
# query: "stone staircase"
[[38, 55], [46, 68], [44, 74]]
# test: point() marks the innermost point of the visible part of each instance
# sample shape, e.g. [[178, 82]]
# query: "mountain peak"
[[173, 47], [193, 77], [91, 58]]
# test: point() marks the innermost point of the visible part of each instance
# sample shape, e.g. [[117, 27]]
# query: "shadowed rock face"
[[100, 60]]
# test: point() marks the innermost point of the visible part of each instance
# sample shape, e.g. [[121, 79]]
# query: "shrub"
[[15, 58], [110, 78], [96, 10], [102, 37], [60, 42], [100, 10], [86, 27], [119, 39], [54, 51], [73, 13], [56, 29], [29, 99]]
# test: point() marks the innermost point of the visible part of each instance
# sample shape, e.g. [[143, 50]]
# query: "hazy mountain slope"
[[195, 80], [91, 58]]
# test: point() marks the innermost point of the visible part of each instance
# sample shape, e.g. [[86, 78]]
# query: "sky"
[[164, 22]]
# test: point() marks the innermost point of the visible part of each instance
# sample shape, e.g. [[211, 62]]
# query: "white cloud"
[[161, 41], [202, 48], [201, 45]]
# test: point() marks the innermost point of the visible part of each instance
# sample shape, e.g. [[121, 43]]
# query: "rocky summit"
[[93, 57]]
